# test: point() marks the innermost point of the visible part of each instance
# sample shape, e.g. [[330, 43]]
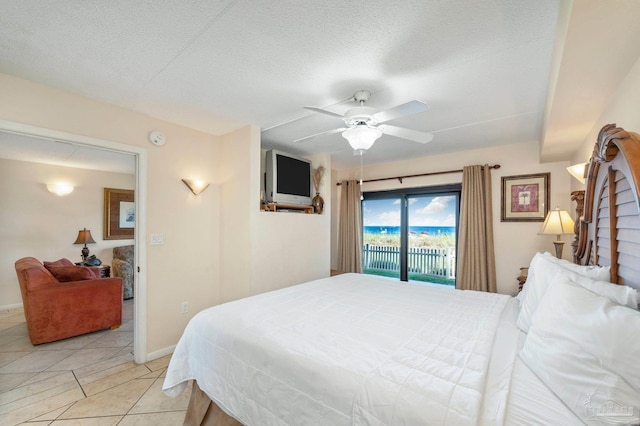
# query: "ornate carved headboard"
[[609, 232]]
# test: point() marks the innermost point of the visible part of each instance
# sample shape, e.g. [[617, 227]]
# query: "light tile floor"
[[84, 380]]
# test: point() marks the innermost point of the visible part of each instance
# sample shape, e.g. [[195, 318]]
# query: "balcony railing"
[[436, 262]]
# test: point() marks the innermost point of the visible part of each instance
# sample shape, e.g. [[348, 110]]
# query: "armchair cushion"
[[59, 262], [65, 270], [71, 273]]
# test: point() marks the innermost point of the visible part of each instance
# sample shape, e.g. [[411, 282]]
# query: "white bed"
[[363, 350]]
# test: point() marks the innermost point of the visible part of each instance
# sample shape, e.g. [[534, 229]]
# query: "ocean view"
[[413, 230]]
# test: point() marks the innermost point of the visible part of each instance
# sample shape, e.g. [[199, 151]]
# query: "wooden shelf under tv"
[[275, 207]]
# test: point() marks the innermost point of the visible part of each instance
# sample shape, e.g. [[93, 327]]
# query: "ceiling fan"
[[364, 125]]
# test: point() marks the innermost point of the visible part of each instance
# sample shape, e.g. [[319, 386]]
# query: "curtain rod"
[[495, 166]]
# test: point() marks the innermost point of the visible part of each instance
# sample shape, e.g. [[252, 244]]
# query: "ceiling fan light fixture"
[[361, 138]]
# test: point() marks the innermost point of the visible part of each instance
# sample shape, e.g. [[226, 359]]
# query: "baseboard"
[[160, 353], [8, 307]]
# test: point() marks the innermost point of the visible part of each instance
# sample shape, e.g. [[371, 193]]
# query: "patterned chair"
[[122, 266]]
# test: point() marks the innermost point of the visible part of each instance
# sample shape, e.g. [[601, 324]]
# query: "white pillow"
[[542, 269], [584, 347], [600, 273], [619, 294]]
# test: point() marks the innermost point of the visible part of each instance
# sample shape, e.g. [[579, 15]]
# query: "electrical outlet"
[[185, 307]]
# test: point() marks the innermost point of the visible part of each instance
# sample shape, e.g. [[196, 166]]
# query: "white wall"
[[263, 251], [39, 224], [623, 110], [239, 174], [515, 242], [186, 267], [291, 248], [218, 246]]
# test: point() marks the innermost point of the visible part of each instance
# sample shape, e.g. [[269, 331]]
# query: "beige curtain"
[[476, 258], [350, 233]]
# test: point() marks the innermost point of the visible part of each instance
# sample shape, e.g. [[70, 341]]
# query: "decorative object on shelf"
[[291, 208], [84, 237], [578, 171], [119, 214], [525, 198], [60, 188], [558, 222], [317, 202], [196, 185]]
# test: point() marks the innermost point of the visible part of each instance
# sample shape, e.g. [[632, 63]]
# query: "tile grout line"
[[141, 396]]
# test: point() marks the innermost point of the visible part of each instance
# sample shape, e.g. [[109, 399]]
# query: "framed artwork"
[[525, 198], [119, 214]]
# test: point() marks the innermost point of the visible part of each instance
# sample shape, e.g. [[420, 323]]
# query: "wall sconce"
[[578, 171], [60, 188], [195, 185]]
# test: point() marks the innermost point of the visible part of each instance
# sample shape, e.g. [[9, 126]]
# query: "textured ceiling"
[[482, 67]]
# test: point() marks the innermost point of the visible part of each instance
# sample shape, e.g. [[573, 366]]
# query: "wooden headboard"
[[609, 232]]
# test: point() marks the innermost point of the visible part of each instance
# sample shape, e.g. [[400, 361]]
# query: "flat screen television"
[[287, 178]]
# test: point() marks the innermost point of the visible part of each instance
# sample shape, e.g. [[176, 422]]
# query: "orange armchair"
[[57, 310]]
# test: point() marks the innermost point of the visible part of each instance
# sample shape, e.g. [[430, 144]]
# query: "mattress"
[[351, 349]]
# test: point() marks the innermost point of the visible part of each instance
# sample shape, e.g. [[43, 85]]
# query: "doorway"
[[140, 203], [411, 234]]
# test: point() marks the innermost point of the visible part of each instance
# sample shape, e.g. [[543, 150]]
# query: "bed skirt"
[[204, 412]]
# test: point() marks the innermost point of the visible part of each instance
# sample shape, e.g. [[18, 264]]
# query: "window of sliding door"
[[381, 236], [411, 234]]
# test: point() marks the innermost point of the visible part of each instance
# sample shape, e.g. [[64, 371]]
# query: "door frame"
[[140, 256], [403, 194]]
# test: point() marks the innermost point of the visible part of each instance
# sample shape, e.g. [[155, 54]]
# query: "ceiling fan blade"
[[413, 107], [401, 132], [323, 111], [328, 132]]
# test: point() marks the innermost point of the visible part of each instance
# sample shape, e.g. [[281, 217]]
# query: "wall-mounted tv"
[[288, 178]]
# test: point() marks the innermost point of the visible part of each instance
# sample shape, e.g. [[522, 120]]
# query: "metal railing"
[[439, 262]]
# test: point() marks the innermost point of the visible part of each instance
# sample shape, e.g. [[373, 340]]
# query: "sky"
[[423, 211]]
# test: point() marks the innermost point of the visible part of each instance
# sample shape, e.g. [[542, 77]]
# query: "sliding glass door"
[[411, 234], [381, 236]]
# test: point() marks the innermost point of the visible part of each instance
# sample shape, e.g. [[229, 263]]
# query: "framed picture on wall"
[[119, 214], [525, 198]]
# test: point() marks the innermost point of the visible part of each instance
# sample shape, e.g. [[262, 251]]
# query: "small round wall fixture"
[[157, 138]]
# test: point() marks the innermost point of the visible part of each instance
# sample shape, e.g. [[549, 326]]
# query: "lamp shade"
[[84, 237], [361, 137], [557, 222]]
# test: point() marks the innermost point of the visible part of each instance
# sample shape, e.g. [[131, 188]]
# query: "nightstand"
[[105, 270], [522, 278]]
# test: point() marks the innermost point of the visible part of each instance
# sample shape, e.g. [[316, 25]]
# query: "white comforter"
[[352, 349]]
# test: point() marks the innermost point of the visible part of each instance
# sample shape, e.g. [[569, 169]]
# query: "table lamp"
[[84, 237], [558, 222]]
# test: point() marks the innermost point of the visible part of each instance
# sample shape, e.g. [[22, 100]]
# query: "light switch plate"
[[157, 239]]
